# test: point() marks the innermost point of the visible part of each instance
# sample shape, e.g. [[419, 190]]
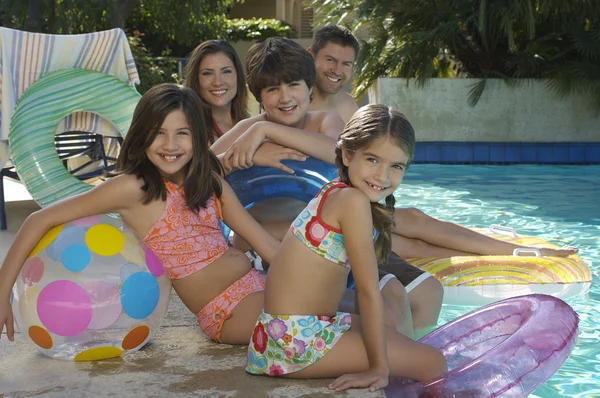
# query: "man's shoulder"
[[346, 99], [346, 106]]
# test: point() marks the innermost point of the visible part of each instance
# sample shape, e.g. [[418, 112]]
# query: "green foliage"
[[511, 40], [150, 70], [257, 29], [179, 26], [168, 26]]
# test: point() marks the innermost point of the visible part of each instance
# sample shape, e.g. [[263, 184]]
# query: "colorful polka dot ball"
[[90, 290]]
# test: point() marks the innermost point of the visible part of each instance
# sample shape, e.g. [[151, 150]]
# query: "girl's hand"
[[241, 152], [372, 379], [6, 318], [270, 154]]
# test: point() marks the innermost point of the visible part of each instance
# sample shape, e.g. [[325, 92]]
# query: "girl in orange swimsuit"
[[168, 187]]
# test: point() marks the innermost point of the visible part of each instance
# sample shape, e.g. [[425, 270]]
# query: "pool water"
[[560, 204]]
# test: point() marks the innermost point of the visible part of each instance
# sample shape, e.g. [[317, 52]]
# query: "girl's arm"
[[320, 144], [112, 196], [241, 222], [357, 228]]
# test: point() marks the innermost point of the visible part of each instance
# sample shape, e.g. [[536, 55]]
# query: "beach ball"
[[90, 290]]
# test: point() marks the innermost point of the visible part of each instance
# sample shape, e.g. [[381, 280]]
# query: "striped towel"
[[26, 56]]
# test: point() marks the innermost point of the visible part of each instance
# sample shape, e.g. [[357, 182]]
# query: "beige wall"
[[526, 113]]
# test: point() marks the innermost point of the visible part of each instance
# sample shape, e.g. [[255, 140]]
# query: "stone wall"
[[528, 112]]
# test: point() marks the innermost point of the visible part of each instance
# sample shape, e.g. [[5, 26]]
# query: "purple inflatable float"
[[505, 349]]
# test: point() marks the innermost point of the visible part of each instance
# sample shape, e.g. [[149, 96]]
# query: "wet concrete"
[[178, 362]]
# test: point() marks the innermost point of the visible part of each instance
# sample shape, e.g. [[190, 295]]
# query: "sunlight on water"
[[560, 204]]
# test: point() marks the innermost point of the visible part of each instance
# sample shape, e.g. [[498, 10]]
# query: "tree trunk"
[[32, 20], [121, 11]]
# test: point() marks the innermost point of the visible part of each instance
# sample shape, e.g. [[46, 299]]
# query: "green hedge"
[[257, 29]]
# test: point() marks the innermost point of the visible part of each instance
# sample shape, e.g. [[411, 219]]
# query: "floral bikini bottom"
[[283, 344]]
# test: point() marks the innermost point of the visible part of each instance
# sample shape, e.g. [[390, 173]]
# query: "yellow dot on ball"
[[104, 240], [98, 353], [46, 240]]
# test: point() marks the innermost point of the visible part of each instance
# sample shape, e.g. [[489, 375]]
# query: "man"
[[334, 50]]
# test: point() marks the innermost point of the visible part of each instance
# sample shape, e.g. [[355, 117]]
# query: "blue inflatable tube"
[[260, 183]]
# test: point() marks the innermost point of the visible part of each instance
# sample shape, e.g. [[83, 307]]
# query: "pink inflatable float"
[[505, 349]]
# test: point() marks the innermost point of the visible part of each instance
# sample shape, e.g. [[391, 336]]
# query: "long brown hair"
[[200, 180], [366, 125], [239, 104]]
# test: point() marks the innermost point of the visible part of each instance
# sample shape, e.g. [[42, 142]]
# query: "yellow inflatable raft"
[[479, 280]]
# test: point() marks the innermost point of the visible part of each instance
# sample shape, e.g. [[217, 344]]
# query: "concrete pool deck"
[[179, 361]]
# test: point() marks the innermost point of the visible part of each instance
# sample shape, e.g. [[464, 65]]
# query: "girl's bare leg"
[[413, 224], [406, 357], [397, 310], [239, 327]]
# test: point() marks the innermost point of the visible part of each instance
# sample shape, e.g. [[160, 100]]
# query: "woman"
[[215, 73]]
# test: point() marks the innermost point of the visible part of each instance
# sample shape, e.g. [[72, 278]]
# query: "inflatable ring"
[[508, 348], [41, 108], [479, 280], [259, 183]]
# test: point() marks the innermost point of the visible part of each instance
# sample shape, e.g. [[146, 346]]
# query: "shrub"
[[150, 70], [513, 40], [257, 29]]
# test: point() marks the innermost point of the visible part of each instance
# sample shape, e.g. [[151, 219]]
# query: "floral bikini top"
[[186, 241], [321, 238]]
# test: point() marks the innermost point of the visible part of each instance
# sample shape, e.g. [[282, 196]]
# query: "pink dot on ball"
[[106, 304], [154, 265], [64, 308], [87, 221], [33, 270]]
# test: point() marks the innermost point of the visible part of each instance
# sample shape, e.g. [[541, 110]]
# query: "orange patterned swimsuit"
[[186, 241]]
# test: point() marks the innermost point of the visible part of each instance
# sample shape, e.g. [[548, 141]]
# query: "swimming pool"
[[558, 203]]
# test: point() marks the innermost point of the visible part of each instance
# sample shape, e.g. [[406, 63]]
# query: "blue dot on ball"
[[139, 295], [76, 257], [73, 235]]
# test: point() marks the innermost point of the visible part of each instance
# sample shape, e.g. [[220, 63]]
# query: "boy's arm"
[[319, 144], [224, 142], [315, 144]]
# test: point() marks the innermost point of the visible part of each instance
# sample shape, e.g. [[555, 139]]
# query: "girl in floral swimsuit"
[[300, 333]]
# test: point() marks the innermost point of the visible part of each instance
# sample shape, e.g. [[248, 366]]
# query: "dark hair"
[[200, 180], [334, 34], [278, 60], [366, 125], [239, 104]]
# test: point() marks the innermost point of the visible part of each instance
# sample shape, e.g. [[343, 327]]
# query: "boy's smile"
[[286, 103]]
